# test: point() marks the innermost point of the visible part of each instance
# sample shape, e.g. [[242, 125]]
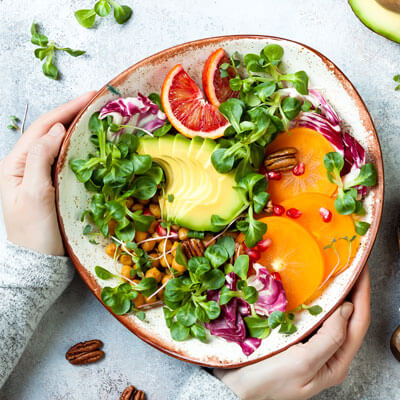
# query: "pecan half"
[[281, 160], [193, 248], [239, 250], [140, 395], [85, 352], [269, 208], [129, 393]]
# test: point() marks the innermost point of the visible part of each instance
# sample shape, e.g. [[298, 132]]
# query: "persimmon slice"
[[296, 256], [339, 227], [311, 148], [215, 87], [187, 109]]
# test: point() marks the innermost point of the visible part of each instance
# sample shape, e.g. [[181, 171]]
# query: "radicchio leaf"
[[137, 111], [271, 295], [230, 324]]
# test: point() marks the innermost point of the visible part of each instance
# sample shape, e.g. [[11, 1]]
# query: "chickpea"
[[129, 202], [139, 301], [154, 273], [233, 235], [178, 267], [207, 238], [148, 246], [126, 271], [167, 243], [125, 259], [183, 233], [110, 250], [152, 228], [166, 278], [175, 227], [139, 236], [144, 202], [137, 207], [155, 210], [154, 263], [174, 247], [169, 257], [149, 301]]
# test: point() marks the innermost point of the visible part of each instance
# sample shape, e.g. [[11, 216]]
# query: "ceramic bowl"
[[147, 76]]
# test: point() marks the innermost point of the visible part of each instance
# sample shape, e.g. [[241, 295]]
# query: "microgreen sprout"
[[14, 124], [47, 50], [102, 8], [396, 78]]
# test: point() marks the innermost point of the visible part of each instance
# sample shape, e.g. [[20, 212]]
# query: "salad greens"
[[256, 117], [14, 124], [114, 173], [347, 201], [396, 78], [102, 8], [47, 50]]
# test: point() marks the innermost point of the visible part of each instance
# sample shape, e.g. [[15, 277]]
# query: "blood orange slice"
[[215, 87], [186, 108]]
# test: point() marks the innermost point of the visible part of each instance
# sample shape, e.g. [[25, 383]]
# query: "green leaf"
[[265, 90], [156, 99], [366, 177], [186, 314], [233, 109], [307, 105], [213, 280], [122, 13], [255, 232], [102, 8], [147, 286], [179, 332], [226, 295], [361, 227], [222, 163], [334, 163], [299, 81], [258, 327], [141, 315], [141, 163], [155, 173], [198, 265], [49, 69], [163, 130], [175, 291], [287, 328], [234, 83], [241, 266], [291, 107], [228, 243], [345, 203], [199, 332], [250, 294], [82, 173], [86, 18], [260, 200], [212, 309], [103, 274], [315, 310], [273, 53], [143, 188], [42, 52], [217, 255], [180, 256], [73, 53], [37, 38], [276, 318]]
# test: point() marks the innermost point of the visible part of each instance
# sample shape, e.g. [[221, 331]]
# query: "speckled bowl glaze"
[[147, 76]]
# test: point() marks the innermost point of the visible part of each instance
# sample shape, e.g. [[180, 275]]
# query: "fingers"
[[322, 346], [359, 321], [14, 166], [40, 158]]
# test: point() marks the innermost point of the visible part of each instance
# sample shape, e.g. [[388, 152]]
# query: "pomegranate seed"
[[276, 276], [174, 234], [278, 210], [299, 169], [147, 212], [273, 176], [293, 213], [325, 214], [264, 244], [161, 230], [253, 254]]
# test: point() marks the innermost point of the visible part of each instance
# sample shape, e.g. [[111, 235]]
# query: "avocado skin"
[[379, 19], [198, 190]]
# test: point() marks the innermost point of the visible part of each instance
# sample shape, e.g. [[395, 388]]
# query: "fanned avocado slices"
[[197, 189]]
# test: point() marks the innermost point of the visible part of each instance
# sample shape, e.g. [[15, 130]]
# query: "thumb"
[[41, 157]]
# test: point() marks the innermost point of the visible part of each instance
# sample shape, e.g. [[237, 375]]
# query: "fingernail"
[[57, 130], [347, 310]]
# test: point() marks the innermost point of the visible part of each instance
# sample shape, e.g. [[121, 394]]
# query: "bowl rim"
[[379, 190]]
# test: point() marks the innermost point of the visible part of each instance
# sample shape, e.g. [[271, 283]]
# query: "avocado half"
[[382, 16], [194, 190]]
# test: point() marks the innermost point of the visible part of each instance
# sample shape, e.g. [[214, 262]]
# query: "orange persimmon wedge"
[[311, 148], [339, 227], [295, 254]]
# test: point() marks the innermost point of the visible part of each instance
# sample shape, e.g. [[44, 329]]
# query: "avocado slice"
[[382, 16], [199, 190]]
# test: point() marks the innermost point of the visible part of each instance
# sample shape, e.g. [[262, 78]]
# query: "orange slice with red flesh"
[[186, 108], [296, 256], [311, 148], [216, 88], [338, 227]]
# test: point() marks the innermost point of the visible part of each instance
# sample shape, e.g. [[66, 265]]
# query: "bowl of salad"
[[221, 197]]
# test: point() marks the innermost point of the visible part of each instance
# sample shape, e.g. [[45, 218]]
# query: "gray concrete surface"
[[369, 60]]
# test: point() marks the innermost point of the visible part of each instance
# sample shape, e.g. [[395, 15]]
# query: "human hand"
[[27, 191], [304, 370]]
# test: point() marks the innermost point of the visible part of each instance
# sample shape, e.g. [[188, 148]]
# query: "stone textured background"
[[329, 26]]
